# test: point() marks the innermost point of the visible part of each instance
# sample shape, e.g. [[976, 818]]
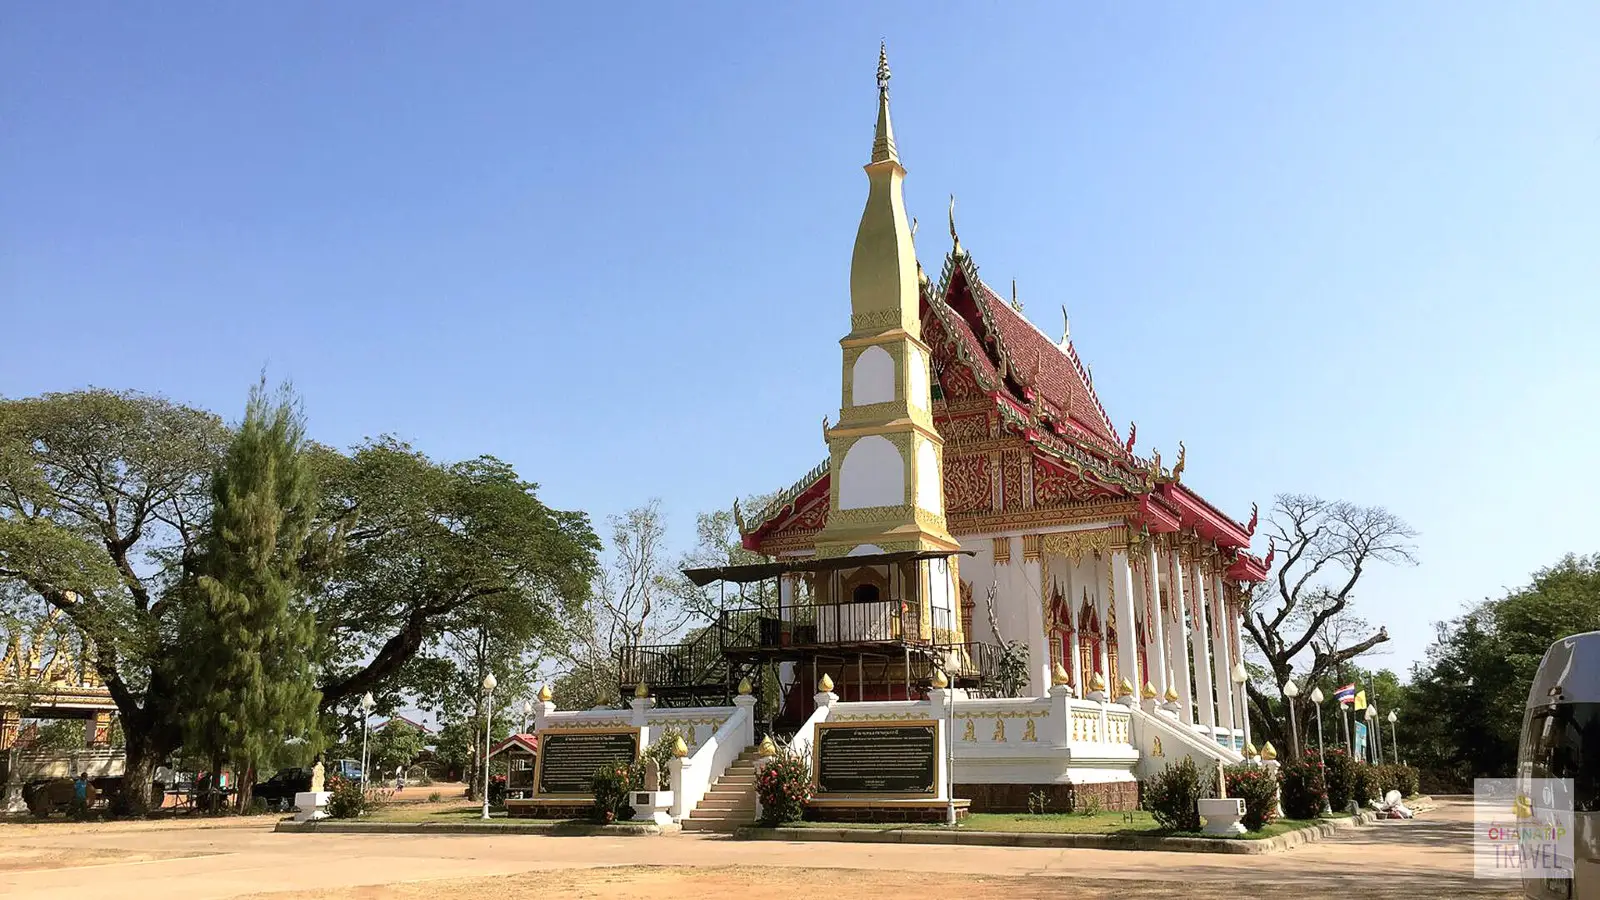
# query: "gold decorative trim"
[[1030, 547], [1002, 550], [1038, 518], [1074, 545]]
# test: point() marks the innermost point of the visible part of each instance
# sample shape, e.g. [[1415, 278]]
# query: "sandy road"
[[1424, 858]]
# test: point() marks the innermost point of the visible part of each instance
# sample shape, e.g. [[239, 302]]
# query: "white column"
[[1032, 587], [1234, 622], [1103, 613], [1153, 628], [1127, 633], [1199, 650], [1222, 664], [1074, 658], [1179, 642]]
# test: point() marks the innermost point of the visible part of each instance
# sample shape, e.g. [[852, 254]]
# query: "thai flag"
[[1346, 694]]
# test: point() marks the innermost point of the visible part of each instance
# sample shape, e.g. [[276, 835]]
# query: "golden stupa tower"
[[885, 458]]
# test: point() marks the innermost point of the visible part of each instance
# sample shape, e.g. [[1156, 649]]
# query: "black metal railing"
[[822, 625], [666, 668]]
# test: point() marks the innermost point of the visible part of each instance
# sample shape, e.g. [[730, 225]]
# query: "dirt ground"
[[1414, 860]]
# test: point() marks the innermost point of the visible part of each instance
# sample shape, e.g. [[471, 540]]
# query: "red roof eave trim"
[[752, 541], [1212, 524]]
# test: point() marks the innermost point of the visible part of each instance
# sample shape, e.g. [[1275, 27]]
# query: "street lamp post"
[[527, 713], [1372, 723], [488, 718], [1394, 742], [1240, 676], [1316, 697], [367, 703], [1291, 691]]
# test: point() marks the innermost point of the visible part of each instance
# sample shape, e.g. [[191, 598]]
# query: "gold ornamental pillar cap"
[[679, 748], [744, 687], [939, 681], [768, 749], [1268, 752], [1149, 691], [1058, 674], [1172, 694], [826, 684], [545, 694], [641, 690], [1097, 683], [1124, 687]]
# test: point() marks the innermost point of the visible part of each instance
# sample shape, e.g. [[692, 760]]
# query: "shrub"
[[1366, 783], [1394, 777], [1170, 796], [1341, 774], [1302, 787], [497, 792], [345, 798], [661, 748], [612, 785], [783, 787], [435, 797], [1259, 791]]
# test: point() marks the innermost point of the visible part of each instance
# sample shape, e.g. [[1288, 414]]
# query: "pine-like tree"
[[247, 628]]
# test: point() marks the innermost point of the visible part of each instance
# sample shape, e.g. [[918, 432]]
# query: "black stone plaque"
[[877, 759], [568, 759]]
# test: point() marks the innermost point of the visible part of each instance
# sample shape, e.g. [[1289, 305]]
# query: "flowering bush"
[[497, 791], [1303, 787], [613, 785], [1259, 791], [346, 800], [784, 786], [1347, 780]]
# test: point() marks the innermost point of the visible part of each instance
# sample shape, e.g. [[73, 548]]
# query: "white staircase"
[[731, 802]]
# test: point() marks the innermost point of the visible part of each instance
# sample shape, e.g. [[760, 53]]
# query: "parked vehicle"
[[344, 768], [52, 795], [1561, 739], [279, 790]]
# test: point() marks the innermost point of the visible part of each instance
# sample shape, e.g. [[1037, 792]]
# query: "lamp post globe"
[[367, 703], [527, 713]]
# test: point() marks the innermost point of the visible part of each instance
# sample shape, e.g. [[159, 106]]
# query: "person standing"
[[80, 796], [164, 780]]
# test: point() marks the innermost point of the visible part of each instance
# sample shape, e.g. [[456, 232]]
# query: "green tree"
[[395, 744], [103, 501], [1461, 717], [429, 549], [246, 674]]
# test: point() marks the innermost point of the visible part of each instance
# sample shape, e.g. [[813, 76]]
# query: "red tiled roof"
[[528, 742], [1050, 371]]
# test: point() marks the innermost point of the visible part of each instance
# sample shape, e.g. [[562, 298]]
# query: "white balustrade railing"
[[693, 775]]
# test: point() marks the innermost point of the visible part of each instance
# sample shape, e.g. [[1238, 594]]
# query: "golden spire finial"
[[883, 149]]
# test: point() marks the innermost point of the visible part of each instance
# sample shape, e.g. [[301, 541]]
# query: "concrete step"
[[704, 813], [737, 779], [705, 827], [726, 802]]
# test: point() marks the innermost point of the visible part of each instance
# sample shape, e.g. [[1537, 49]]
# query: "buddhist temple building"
[[976, 494]]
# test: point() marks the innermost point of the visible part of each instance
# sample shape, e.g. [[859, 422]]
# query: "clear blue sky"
[[1353, 252]]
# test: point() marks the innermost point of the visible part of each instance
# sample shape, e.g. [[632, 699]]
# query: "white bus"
[[1561, 739]]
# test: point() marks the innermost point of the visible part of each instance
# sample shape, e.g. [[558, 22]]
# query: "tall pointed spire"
[[883, 149]]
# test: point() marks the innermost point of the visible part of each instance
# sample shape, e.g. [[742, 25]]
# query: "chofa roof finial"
[[953, 236], [1016, 303]]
